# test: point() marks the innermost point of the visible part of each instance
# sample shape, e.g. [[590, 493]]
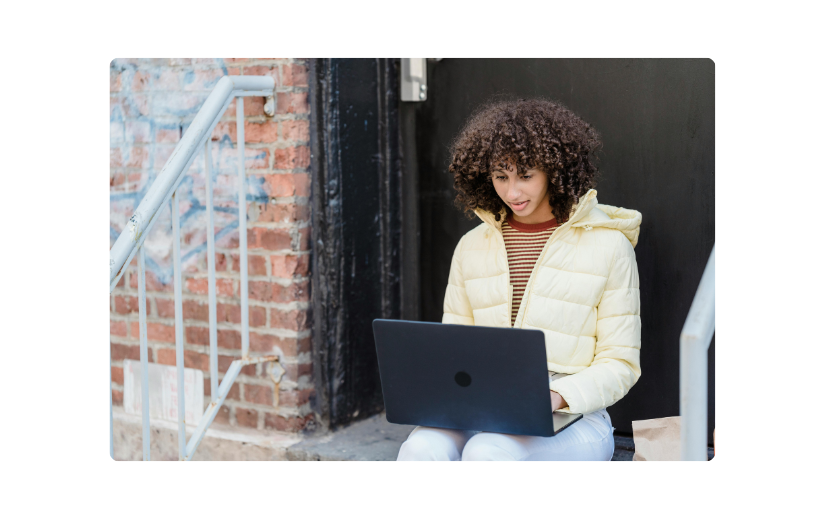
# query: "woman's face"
[[526, 195]]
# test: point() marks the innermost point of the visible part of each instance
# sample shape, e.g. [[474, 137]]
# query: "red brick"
[[152, 283], [141, 81], [165, 307], [122, 281], [138, 157], [295, 397], [115, 159], [117, 397], [115, 80], [257, 394], [116, 180], [263, 71], [195, 310], [288, 319], [289, 266], [287, 184], [295, 75], [232, 314], [117, 328], [227, 161], [117, 375], [162, 153], [292, 103], [135, 105], [220, 262], [169, 80], [305, 237], [292, 347], [283, 212], [223, 415], [167, 136], [293, 371], [160, 332], [262, 342], [274, 239], [246, 417], [266, 131], [202, 79], [224, 362], [292, 158], [257, 316], [138, 131], [201, 286], [134, 329], [256, 265], [225, 128], [191, 359], [229, 339], [126, 304], [197, 335], [252, 106], [266, 291], [234, 391], [297, 130], [122, 351], [291, 424]]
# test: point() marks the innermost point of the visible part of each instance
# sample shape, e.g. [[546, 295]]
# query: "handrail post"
[[144, 353], [242, 230], [179, 359], [210, 263], [111, 424], [693, 365]]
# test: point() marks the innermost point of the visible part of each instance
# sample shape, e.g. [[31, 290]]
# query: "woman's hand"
[[557, 400]]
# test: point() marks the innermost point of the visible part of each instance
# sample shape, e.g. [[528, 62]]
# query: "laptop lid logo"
[[463, 379]]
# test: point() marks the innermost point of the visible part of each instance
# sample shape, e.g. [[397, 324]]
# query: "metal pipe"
[[242, 229], [210, 262], [226, 88], [178, 324], [693, 365], [111, 426], [166, 200], [212, 410], [218, 398], [144, 353]]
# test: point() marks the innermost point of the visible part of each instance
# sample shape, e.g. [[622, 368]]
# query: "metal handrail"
[[130, 242], [159, 193], [693, 365]]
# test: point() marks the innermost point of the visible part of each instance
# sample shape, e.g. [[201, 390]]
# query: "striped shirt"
[[524, 243]]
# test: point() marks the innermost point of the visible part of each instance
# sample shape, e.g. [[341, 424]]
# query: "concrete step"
[[371, 439]]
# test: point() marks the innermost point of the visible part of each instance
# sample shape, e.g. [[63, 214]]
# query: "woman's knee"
[[429, 445], [485, 447]]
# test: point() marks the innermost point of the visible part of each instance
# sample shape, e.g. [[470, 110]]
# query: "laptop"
[[466, 377]]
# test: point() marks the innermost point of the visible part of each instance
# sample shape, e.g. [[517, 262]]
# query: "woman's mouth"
[[519, 206]]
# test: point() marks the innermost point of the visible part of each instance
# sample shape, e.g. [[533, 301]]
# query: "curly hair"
[[527, 134]]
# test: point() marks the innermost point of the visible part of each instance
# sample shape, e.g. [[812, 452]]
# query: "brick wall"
[[152, 103]]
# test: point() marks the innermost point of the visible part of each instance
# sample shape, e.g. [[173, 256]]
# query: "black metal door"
[[656, 118]]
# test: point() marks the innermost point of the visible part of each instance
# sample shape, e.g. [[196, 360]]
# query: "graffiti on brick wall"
[[151, 107]]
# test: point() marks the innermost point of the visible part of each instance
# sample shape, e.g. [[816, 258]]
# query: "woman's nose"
[[512, 192]]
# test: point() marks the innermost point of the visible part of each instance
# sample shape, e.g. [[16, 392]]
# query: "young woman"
[[546, 256]]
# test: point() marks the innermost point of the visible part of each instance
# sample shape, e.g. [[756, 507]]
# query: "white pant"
[[589, 439]]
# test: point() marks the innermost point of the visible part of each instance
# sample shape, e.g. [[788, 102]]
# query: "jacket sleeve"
[[457, 309], [615, 367]]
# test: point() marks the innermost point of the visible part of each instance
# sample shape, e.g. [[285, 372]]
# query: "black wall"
[[356, 228], [656, 118]]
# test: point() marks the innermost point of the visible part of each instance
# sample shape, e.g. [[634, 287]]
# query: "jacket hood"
[[587, 214]]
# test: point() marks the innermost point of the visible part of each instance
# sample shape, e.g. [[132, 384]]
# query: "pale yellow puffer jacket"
[[583, 294]]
